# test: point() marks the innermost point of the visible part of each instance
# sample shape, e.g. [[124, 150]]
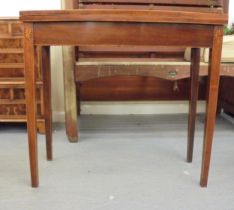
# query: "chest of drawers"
[[12, 84]]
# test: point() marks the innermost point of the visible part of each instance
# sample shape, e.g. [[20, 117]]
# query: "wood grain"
[[212, 99], [160, 2], [70, 93], [12, 84], [46, 76], [137, 89], [195, 67], [123, 34], [30, 79], [114, 15]]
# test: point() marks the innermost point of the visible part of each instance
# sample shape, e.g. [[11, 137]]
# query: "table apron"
[[118, 33]]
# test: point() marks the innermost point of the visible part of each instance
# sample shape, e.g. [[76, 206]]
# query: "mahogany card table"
[[121, 27]]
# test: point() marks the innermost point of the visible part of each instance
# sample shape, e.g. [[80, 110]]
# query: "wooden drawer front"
[[16, 110], [11, 43], [4, 93], [12, 109], [11, 72], [4, 28], [11, 28], [136, 89], [16, 94], [14, 71], [17, 29], [19, 93], [13, 102], [11, 58]]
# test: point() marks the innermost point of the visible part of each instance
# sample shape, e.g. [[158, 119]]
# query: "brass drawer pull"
[[173, 73]]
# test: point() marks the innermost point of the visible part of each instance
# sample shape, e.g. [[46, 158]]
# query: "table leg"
[[70, 93], [194, 72], [31, 106], [212, 98], [46, 76]]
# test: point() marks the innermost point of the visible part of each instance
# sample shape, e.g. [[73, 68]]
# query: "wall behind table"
[[11, 8]]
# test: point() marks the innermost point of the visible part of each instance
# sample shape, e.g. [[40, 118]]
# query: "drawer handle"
[[172, 73]]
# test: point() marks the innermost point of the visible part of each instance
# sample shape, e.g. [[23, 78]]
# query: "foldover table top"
[[125, 15]]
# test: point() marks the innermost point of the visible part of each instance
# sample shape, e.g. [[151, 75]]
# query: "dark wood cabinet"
[[226, 95], [137, 87]]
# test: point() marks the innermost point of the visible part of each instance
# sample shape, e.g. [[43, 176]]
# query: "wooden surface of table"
[[121, 28]]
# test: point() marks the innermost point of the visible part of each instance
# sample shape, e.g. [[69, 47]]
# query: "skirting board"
[[132, 108]]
